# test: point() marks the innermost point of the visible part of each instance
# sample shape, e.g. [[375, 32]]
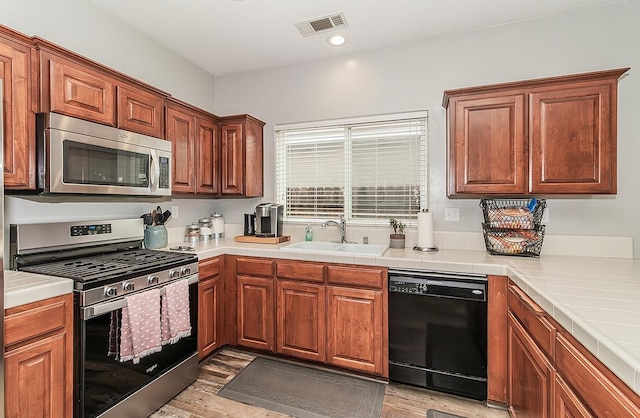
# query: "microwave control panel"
[[163, 182]]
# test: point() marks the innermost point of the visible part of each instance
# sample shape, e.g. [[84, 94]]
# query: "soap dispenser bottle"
[[308, 233]]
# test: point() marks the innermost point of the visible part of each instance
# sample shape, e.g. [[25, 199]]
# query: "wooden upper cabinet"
[[241, 156], [78, 91], [573, 139], [181, 132], [487, 152], [207, 156], [140, 111], [546, 136], [78, 87], [19, 117]]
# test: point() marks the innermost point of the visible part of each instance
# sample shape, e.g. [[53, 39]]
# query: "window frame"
[[343, 122]]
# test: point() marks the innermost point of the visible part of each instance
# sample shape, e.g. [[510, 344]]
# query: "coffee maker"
[[269, 220]]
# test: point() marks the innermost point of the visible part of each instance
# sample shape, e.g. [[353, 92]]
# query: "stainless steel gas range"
[[109, 267]]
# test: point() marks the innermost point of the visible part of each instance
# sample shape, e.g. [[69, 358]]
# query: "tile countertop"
[[596, 299], [21, 288]]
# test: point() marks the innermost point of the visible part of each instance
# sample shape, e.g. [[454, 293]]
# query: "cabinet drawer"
[[310, 272], [255, 267], [533, 318], [39, 318], [209, 268], [601, 395], [356, 276]]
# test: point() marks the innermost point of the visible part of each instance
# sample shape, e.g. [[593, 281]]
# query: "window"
[[369, 169]]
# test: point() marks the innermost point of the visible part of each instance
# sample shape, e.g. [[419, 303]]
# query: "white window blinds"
[[368, 169]]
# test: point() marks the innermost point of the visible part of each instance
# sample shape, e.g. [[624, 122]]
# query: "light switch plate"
[[452, 214], [174, 212]]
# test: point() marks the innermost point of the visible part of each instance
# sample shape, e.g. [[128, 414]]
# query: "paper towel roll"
[[425, 230]]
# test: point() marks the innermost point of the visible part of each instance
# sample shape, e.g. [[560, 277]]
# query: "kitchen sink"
[[336, 247]]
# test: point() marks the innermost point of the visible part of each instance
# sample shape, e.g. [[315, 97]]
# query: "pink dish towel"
[[140, 326], [176, 322]]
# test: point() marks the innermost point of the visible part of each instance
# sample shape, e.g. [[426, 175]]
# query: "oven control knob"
[[153, 280], [174, 274], [128, 286], [110, 291], [185, 271]]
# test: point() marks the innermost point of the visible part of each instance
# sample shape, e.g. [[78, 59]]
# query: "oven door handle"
[[102, 308]]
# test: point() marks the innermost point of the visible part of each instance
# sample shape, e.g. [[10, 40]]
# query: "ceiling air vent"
[[322, 24]]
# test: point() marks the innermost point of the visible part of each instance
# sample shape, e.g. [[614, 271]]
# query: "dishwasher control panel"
[[439, 286]]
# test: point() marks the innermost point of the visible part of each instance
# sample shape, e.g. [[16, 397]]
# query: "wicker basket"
[[520, 242], [512, 213]]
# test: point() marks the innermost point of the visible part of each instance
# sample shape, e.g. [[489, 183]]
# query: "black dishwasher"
[[438, 331]]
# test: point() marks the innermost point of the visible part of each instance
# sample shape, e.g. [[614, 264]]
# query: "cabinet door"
[[531, 375], [232, 160], [209, 316], [255, 312], [566, 403], [141, 112], [181, 131], [573, 139], [355, 329], [300, 319], [487, 145], [36, 380], [79, 91], [19, 119], [207, 150]]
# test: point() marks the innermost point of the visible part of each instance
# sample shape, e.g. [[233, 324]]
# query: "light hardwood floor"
[[201, 398]]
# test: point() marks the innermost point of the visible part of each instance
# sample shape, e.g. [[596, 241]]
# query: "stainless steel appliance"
[[106, 261], [269, 220], [438, 331], [80, 157]]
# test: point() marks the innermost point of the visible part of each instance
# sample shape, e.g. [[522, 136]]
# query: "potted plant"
[[396, 240]]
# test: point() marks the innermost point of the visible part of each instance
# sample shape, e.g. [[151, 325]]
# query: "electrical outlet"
[[545, 215], [175, 213], [452, 214]]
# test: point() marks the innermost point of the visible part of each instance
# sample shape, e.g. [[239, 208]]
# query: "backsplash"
[[571, 245]]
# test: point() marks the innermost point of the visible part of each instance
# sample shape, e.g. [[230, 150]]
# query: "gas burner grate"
[[106, 266]]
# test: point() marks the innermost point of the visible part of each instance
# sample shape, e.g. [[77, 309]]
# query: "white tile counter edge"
[[21, 288]]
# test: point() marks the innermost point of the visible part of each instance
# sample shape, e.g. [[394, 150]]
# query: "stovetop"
[[107, 268]]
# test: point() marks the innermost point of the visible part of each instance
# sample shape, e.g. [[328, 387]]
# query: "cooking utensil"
[[165, 216], [158, 219], [147, 219]]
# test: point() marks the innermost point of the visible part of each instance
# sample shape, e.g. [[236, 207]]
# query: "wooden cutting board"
[[261, 240]]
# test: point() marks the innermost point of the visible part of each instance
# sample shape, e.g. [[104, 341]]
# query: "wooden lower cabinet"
[[210, 308], [255, 312], [300, 320], [355, 329], [531, 375], [566, 403], [39, 359]]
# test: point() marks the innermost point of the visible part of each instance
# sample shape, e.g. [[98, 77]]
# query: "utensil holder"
[[155, 237]]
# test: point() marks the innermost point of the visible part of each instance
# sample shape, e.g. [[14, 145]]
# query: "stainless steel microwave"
[[80, 157]]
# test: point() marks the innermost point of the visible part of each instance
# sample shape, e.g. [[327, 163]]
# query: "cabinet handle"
[[537, 310]]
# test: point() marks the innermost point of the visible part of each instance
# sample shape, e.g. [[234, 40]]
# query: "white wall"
[[414, 76], [89, 30]]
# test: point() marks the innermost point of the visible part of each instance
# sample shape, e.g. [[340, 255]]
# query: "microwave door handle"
[[154, 170]]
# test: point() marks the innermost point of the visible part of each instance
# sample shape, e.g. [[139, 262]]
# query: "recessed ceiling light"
[[336, 40]]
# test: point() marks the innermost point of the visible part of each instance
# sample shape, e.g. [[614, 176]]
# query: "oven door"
[[101, 380], [87, 164]]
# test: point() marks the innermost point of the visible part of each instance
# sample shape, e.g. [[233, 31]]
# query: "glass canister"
[[155, 237], [217, 221]]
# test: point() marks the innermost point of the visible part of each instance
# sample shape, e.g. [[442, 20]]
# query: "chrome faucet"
[[342, 227]]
